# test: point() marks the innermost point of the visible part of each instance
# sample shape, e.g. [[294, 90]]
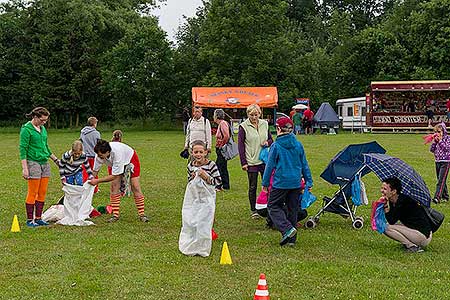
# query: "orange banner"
[[234, 97]]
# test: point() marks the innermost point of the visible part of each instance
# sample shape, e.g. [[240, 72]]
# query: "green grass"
[[131, 260]]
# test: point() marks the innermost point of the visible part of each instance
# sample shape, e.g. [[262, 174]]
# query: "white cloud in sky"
[[171, 14]]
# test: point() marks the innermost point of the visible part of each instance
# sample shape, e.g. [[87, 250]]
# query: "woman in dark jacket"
[[414, 232]]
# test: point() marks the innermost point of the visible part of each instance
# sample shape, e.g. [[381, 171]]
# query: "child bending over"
[[72, 163]]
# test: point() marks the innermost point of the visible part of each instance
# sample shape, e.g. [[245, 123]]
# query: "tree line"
[[110, 58]]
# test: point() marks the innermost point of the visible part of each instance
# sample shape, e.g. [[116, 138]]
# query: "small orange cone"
[[214, 235], [262, 293], [15, 225]]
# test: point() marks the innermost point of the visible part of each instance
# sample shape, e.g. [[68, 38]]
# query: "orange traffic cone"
[[262, 293]]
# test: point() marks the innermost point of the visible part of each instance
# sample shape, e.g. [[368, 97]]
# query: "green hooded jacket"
[[33, 144]]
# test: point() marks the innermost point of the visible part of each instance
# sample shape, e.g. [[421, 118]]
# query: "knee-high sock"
[[33, 190], [115, 204], [39, 208], [30, 211], [139, 200]]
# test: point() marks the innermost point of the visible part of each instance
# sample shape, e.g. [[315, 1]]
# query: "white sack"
[[77, 204], [54, 213], [197, 217]]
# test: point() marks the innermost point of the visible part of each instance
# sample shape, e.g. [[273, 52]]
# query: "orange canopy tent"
[[234, 97]]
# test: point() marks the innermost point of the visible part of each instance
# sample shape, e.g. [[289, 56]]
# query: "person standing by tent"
[[298, 119], [287, 157], [253, 135], [89, 137], [198, 128], [223, 135], [308, 116], [34, 155]]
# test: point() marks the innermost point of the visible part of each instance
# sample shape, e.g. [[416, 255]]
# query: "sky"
[[171, 14]]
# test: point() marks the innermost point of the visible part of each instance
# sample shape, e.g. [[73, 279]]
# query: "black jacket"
[[410, 213]]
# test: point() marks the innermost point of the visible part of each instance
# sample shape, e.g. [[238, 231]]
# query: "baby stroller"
[[342, 170]]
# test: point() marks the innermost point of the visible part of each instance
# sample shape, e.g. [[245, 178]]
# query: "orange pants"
[[37, 189]]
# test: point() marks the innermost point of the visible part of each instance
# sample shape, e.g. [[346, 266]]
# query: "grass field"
[[132, 260]]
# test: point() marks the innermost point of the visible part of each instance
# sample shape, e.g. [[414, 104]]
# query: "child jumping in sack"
[[199, 203], [288, 158]]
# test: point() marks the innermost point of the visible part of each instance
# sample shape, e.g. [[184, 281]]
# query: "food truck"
[[407, 105]]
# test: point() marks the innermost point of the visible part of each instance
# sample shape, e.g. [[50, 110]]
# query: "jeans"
[[222, 165]]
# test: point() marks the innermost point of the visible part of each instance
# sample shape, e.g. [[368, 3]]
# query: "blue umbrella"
[[385, 166], [348, 162]]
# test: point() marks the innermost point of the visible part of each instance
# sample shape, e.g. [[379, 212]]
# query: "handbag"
[[436, 218], [230, 149], [184, 154]]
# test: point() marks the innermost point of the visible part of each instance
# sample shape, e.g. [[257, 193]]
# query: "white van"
[[352, 113]]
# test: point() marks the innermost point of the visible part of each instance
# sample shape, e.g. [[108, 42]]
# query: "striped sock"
[[139, 200], [115, 204]]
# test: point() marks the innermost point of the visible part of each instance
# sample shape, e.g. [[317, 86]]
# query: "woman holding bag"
[[222, 137], [254, 134]]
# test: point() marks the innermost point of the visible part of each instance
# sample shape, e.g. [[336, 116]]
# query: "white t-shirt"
[[119, 157]]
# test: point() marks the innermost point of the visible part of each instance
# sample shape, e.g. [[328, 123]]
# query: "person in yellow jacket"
[[34, 155]]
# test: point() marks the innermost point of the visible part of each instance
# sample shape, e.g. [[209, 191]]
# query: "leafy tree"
[[138, 73]]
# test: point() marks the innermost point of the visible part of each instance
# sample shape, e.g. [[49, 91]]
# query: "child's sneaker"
[[144, 218], [287, 235], [40, 222], [255, 215], [31, 224], [113, 219]]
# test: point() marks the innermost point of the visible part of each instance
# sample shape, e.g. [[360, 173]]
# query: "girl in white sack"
[[199, 203]]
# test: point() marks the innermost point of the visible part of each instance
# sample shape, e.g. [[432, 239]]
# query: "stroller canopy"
[[349, 161], [326, 116]]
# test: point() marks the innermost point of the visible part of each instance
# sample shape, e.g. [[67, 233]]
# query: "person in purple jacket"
[[441, 149]]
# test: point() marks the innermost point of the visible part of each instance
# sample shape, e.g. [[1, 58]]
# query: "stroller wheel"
[[310, 223], [358, 223], [360, 218]]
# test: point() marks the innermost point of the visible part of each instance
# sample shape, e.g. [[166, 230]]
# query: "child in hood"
[[287, 157], [441, 150]]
